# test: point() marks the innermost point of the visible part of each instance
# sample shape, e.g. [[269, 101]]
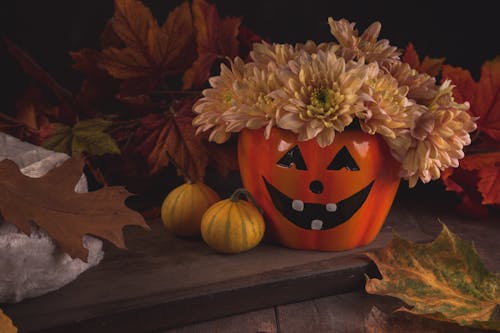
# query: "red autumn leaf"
[[464, 183], [223, 157], [483, 96], [431, 66], [98, 86], [246, 39], [172, 132], [488, 169], [151, 52], [51, 203], [216, 39], [68, 111]]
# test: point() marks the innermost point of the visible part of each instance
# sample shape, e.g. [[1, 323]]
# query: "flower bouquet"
[[327, 130]]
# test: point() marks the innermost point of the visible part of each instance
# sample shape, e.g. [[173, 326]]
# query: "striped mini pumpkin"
[[232, 225], [184, 207]]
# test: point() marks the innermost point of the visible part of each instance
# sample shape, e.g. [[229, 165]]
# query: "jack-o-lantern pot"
[[332, 198]]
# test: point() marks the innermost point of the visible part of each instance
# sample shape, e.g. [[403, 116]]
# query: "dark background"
[[466, 33]]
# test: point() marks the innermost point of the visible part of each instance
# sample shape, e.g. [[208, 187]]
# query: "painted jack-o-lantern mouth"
[[317, 216]]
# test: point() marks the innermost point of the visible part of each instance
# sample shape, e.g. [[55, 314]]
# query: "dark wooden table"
[[164, 282]]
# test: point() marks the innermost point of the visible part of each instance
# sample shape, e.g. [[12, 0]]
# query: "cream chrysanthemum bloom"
[[421, 87], [385, 106], [320, 92], [219, 99], [280, 54], [438, 137], [365, 46], [256, 107]]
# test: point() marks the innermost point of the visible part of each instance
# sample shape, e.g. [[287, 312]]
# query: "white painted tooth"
[[298, 205], [316, 224], [331, 207]]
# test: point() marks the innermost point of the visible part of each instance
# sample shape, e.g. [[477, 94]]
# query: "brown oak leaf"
[[216, 39], [431, 66], [51, 203], [483, 96], [151, 52]]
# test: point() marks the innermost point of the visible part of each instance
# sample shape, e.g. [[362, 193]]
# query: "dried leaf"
[[172, 132], [223, 157], [216, 38], [443, 280], [31, 68], [98, 86], [151, 52], [51, 203], [431, 66], [86, 136], [464, 183], [178, 138], [484, 96], [488, 167], [6, 325]]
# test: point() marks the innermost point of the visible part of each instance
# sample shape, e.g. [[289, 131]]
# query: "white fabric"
[[33, 265]]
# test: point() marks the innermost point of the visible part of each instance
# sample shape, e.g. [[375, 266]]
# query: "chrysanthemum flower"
[[321, 95], [365, 46], [438, 137], [280, 54], [256, 106], [217, 100], [421, 87], [385, 106]]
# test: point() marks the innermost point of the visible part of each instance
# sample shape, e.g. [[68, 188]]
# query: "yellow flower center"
[[324, 102], [228, 97]]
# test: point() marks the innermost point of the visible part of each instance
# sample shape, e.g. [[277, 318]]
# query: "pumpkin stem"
[[235, 197], [183, 173]]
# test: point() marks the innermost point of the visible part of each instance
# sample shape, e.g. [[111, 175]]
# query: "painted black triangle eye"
[[343, 159], [293, 156]]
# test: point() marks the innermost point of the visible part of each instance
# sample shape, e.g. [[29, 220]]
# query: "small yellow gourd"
[[184, 207], [232, 225]]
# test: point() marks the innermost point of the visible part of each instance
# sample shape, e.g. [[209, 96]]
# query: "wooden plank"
[[263, 321], [357, 312], [164, 282]]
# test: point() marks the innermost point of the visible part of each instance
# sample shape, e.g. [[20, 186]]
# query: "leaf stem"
[[179, 169]]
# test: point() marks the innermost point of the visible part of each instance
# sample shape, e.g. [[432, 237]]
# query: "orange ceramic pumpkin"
[[331, 198]]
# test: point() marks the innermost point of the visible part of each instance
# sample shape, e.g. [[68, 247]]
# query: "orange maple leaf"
[[151, 52], [488, 169], [483, 96], [431, 66], [216, 38], [173, 132]]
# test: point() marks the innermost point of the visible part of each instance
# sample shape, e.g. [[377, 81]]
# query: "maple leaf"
[[488, 168], [86, 136], [484, 96], [6, 325], [68, 110], [151, 52], [51, 203], [216, 38], [98, 86], [442, 280], [222, 157], [431, 66], [172, 132]]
